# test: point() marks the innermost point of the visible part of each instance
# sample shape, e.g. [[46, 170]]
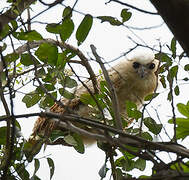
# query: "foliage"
[[45, 66], [182, 123]]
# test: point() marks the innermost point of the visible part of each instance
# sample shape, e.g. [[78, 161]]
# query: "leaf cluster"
[[45, 65]]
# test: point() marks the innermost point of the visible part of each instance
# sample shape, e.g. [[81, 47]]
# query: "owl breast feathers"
[[133, 79]]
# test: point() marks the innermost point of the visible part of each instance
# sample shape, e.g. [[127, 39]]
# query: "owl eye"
[[136, 65], [151, 66]]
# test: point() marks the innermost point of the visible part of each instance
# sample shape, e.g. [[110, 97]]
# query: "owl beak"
[[142, 71]]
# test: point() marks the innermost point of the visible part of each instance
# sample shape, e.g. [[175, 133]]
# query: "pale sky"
[[111, 42]]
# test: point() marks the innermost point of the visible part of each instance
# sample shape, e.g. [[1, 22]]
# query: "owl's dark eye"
[[136, 65], [151, 66]]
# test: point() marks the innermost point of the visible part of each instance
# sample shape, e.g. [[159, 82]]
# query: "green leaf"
[[5, 31], [41, 73], [88, 99], [181, 122], [146, 136], [66, 94], [47, 101], [127, 155], [57, 134], [35, 178], [14, 25], [67, 28], [120, 174], [183, 166], [3, 47], [152, 125], [27, 59], [164, 58], [49, 77], [49, 87], [36, 165], [11, 57], [84, 28], [61, 61], [169, 96], [29, 149], [29, 36], [173, 71], [3, 78], [112, 20], [176, 90], [31, 99], [23, 174], [151, 96], [173, 47], [80, 146], [126, 15], [144, 177], [17, 125], [47, 53], [186, 67], [103, 87], [54, 28], [182, 132], [3, 131], [125, 163], [51, 167], [140, 164], [69, 83], [103, 170], [67, 13], [132, 111], [70, 140], [163, 82], [183, 109]]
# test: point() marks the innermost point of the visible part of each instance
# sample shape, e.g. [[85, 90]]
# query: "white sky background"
[[111, 42]]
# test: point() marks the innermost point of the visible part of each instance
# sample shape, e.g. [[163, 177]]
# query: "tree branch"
[[10, 132], [124, 138], [133, 7], [10, 15], [173, 13], [63, 45], [115, 104]]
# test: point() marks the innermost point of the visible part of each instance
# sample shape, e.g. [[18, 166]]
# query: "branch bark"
[[115, 104], [10, 15], [123, 138], [175, 13]]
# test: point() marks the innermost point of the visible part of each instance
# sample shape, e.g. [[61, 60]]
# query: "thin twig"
[[135, 8], [90, 92], [113, 167], [170, 80]]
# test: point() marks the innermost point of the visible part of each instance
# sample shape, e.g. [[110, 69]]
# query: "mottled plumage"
[[133, 80]]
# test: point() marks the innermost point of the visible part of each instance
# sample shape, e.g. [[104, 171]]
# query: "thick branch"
[[124, 138], [175, 13], [10, 15]]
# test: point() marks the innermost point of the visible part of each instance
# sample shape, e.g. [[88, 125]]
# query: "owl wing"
[[44, 126]]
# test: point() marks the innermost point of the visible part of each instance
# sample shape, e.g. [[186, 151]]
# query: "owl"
[[133, 79]]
